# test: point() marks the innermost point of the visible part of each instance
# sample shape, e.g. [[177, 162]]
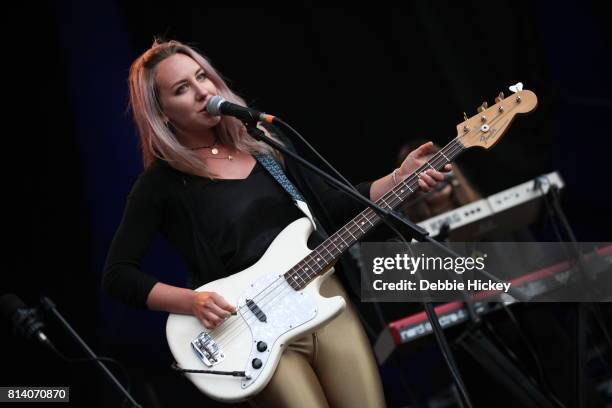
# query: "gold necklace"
[[216, 156], [214, 151], [212, 147], [228, 157]]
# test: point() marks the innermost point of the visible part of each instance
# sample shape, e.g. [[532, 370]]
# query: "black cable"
[[543, 379], [509, 352], [91, 359], [178, 368]]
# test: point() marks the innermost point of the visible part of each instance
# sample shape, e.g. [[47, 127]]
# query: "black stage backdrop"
[[358, 82]]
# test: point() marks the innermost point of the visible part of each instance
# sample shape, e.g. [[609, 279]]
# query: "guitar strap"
[[276, 171]]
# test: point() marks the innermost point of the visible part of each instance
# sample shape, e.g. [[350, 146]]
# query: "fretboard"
[[328, 252]]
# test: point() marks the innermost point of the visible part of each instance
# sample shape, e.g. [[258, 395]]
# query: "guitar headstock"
[[490, 124]]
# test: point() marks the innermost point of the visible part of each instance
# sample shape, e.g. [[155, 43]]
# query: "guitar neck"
[[324, 255]]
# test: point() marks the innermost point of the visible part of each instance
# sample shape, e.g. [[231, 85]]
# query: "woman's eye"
[[181, 89], [201, 76]]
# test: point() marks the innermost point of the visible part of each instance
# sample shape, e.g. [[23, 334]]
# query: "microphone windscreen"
[[213, 107], [9, 304]]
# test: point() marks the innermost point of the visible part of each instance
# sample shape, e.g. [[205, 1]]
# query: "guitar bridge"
[[207, 349]]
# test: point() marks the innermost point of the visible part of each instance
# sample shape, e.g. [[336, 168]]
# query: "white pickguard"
[[289, 314], [284, 309]]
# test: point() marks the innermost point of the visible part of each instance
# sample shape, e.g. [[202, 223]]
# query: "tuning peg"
[[482, 107], [499, 98], [516, 88], [465, 116]]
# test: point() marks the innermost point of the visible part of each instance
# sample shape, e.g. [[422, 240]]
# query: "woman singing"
[[206, 191]]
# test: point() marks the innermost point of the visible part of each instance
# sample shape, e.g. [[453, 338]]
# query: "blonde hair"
[[156, 138]]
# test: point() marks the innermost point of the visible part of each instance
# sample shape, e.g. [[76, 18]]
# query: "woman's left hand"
[[415, 159]]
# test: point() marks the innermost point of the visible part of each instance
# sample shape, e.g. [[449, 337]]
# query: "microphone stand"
[[409, 229], [49, 306]]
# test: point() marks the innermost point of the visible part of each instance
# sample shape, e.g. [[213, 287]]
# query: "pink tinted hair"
[[156, 139]]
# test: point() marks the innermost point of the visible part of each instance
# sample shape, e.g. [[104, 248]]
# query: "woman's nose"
[[201, 91]]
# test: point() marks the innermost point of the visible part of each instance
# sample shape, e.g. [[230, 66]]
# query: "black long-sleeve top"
[[219, 227]]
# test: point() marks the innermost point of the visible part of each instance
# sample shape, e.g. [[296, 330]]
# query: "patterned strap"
[[277, 172], [274, 168]]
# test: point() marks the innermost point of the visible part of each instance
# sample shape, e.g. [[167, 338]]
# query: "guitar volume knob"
[[262, 346], [256, 363]]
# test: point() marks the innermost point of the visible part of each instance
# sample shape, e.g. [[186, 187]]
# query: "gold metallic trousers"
[[333, 367]]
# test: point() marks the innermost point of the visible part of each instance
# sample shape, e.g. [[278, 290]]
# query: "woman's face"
[[184, 90]]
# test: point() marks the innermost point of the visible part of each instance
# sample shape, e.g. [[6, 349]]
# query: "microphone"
[[449, 178], [26, 321], [218, 106]]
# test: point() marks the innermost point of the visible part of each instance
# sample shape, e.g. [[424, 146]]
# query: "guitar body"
[[278, 315]]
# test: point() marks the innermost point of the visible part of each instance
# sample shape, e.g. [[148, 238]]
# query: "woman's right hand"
[[211, 308]]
